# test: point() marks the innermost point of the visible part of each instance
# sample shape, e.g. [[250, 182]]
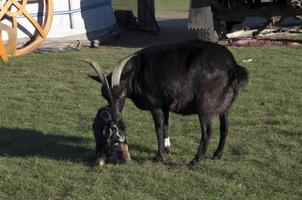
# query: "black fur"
[[103, 139], [192, 77]]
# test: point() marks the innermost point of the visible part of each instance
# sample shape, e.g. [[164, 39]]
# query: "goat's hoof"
[[217, 156], [194, 162], [158, 158]]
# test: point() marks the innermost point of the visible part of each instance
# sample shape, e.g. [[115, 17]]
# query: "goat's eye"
[[117, 91]]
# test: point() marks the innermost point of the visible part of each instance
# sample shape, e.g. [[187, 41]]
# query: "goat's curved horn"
[[117, 71], [97, 68]]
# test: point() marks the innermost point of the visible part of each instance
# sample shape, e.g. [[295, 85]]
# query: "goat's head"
[[115, 97], [111, 142], [112, 90]]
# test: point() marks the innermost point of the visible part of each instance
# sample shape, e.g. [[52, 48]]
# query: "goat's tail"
[[239, 77]]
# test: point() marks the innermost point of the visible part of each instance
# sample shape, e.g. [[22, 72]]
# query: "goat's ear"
[[96, 78]]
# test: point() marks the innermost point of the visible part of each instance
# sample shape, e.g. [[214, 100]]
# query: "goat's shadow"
[[144, 154], [139, 151], [31, 143]]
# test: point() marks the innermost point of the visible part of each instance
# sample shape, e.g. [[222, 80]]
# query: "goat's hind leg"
[[206, 131], [224, 126], [158, 118]]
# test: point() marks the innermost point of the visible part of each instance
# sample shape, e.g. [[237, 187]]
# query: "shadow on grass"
[[141, 150], [144, 154], [172, 30], [31, 143]]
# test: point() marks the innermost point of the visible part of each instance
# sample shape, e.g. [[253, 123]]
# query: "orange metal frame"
[[6, 9]]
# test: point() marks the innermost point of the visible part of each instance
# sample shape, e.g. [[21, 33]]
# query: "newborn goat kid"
[[110, 138]]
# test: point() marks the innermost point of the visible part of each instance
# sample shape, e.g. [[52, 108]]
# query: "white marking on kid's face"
[[167, 142]]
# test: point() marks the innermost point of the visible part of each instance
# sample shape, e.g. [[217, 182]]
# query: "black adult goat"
[[191, 77]]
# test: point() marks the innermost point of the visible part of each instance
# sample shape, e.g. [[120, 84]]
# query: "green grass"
[[160, 5], [48, 103], [172, 5]]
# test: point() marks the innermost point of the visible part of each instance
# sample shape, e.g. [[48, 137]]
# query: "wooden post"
[[70, 15], [146, 15], [201, 20]]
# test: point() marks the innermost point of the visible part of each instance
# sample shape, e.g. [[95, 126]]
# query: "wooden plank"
[[3, 53], [10, 46], [240, 14]]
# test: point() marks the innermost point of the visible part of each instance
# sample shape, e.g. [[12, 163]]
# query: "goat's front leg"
[[100, 157], [206, 132], [167, 143], [158, 118]]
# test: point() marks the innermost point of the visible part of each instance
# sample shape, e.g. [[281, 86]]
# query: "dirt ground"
[[173, 27]]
